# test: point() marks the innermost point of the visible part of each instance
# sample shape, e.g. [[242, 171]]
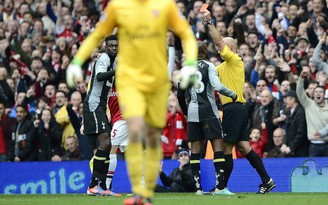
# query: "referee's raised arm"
[[217, 38]]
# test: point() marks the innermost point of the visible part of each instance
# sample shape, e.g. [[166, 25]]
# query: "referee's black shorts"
[[234, 122], [208, 129], [95, 122]]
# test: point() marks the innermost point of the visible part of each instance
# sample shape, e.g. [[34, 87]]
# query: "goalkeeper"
[[142, 79]]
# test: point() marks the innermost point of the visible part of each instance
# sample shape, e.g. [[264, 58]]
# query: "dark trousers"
[[173, 188], [319, 150]]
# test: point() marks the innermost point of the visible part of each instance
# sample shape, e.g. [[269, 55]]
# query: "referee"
[[235, 117]]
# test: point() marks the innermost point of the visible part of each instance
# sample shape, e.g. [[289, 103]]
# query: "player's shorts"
[[234, 122], [150, 105], [119, 133], [95, 122], [209, 129]]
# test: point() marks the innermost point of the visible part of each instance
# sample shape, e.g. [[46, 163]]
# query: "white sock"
[[111, 170]]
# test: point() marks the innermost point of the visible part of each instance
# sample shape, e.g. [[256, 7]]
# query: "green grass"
[[172, 199]]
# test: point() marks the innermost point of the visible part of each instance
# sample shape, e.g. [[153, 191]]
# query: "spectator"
[[76, 99], [310, 89], [42, 80], [36, 65], [218, 13], [249, 92], [50, 93], [12, 85], [265, 111], [41, 104], [64, 23], [322, 78], [86, 145], [253, 41], [22, 145], [317, 60], [48, 135], [61, 116], [173, 134], [296, 143], [260, 86], [278, 138], [258, 140], [270, 77], [6, 125], [6, 94], [19, 99], [322, 133], [284, 88], [8, 12], [72, 152], [181, 178], [316, 112], [63, 86], [280, 119]]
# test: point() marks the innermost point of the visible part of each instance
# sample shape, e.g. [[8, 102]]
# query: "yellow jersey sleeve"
[[229, 56], [104, 27], [181, 28]]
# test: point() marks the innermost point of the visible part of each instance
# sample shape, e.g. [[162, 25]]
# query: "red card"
[[203, 8]]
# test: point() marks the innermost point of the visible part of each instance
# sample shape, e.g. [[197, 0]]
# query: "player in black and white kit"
[[95, 119], [204, 120]]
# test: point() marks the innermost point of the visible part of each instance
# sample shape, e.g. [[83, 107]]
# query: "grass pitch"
[[172, 199]]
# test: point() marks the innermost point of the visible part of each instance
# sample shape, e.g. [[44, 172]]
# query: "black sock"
[[219, 163], [257, 164], [228, 168], [102, 183], [100, 167], [195, 167], [94, 182]]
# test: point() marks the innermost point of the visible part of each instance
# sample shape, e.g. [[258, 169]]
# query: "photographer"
[[181, 178]]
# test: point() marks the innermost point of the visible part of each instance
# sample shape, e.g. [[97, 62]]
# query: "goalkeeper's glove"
[[188, 75], [74, 73]]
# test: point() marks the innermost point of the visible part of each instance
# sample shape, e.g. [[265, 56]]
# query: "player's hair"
[[202, 50], [111, 38]]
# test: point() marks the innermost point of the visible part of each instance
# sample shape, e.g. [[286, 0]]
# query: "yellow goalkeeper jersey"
[[142, 27]]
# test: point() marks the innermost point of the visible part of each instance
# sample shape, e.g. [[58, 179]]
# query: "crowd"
[[283, 45]]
